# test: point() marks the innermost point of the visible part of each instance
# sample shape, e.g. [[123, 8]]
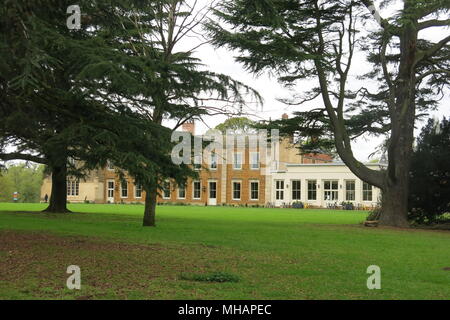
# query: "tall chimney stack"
[[189, 126]]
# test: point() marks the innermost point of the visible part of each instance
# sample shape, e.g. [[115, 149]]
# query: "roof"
[[331, 164]]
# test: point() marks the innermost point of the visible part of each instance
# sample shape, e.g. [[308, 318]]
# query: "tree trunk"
[[58, 197], [394, 210], [394, 205], [150, 208]]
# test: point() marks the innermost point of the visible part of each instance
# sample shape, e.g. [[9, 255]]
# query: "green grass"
[[275, 253]]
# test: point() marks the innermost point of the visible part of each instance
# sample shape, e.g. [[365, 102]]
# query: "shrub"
[[374, 215], [297, 205], [347, 206], [210, 277], [181, 204], [429, 196]]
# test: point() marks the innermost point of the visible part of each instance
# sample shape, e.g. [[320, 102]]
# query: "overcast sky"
[[221, 60]]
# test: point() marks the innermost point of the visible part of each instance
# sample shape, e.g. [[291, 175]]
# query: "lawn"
[[275, 253]]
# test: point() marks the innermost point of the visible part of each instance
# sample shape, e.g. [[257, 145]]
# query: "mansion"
[[313, 179]]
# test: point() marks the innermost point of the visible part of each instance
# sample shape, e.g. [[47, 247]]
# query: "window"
[[237, 161], [254, 190], [279, 190], [367, 192], [330, 190], [312, 190], [196, 190], [213, 165], [350, 190], [182, 192], [213, 190], [124, 190], [111, 189], [296, 190], [71, 161], [110, 166], [254, 160], [138, 191], [197, 162], [166, 190], [73, 188], [236, 190]]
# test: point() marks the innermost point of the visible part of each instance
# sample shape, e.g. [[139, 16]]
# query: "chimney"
[[189, 126], [285, 116]]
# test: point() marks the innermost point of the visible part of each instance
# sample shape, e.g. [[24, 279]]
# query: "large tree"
[[237, 125], [58, 85], [320, 40], [165, 34]]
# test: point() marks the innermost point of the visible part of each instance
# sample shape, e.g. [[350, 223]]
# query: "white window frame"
[[215, 190], [135, 191], [164, 191], [193, 190], [312, 190], [197, 167], [347, 190], [212, 156], [121, 190], [364, 191], [109, 166], [235, 162], [331, 190], [178, 192], [252, 163], [279, 191], [71, 161], [233, 189], [109, 189], [73, 188], [296, 190], [250, 190]]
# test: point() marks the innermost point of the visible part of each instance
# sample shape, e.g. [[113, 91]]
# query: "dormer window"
[[237, 161]]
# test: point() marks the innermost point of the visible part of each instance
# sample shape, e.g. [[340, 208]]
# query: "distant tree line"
[[25, 179]]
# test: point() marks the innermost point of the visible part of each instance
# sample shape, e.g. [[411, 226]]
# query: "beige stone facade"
[[249, 183], [323, 186]]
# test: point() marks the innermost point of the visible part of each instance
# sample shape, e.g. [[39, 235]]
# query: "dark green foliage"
[[347, 206], [236, 125], [430, 173], [210, 277], [319, 40], [311, 131], [374, 215], [82, 94], [24, 179], [298, 205]]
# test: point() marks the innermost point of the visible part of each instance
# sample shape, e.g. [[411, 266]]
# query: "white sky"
[[222, 61]]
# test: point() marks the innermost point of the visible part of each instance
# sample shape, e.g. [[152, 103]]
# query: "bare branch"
[[435, 71], [432, 51], [21, 156], [433, 23]]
